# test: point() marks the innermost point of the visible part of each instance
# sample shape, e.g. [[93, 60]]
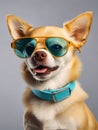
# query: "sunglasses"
[[25, 46]]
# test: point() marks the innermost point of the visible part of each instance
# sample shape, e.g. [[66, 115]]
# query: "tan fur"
[[71, 113]]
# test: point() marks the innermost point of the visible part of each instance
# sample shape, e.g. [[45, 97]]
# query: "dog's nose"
[[40, 56]]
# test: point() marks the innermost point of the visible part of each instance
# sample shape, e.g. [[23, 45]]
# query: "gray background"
[[37, 13]]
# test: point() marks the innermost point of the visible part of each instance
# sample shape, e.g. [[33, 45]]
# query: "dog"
[[54, 99]]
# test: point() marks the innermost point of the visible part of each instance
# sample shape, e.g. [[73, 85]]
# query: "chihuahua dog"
[[53, 99]]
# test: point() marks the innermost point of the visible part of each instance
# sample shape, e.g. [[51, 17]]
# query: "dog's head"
[[49, 50]]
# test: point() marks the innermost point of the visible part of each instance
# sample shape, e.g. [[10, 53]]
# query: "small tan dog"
[[54, 99]]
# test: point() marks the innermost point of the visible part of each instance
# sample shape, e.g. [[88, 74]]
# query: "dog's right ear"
[[79, 28], [17, 27]]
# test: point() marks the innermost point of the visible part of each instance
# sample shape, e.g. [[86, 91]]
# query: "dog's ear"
[[17, 27], [78, 28]]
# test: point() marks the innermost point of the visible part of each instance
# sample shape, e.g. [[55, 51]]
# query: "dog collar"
[[55, 95]]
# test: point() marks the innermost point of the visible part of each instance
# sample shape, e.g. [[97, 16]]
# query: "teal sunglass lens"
[[29, 50], [24, 47], [57, 46]]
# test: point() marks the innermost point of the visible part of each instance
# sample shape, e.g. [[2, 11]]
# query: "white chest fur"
[[48, 112]]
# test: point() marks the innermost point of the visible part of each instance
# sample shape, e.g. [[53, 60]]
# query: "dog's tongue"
[[40, 70]]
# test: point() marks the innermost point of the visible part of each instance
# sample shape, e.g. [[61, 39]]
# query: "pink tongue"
[[40, 70]]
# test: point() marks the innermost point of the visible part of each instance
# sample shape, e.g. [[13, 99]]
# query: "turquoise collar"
[[55, 95]]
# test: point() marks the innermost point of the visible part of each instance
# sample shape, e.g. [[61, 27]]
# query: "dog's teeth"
[[34, 73]]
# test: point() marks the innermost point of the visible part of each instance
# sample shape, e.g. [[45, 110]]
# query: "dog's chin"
[[42, 73]]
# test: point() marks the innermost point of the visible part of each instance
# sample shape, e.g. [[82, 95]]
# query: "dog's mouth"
[[43, 70]]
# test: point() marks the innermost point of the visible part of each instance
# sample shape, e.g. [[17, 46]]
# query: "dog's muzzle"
[[41, 68], [39, 58]]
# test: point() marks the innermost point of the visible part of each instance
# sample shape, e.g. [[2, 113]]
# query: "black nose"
[[40, 56]]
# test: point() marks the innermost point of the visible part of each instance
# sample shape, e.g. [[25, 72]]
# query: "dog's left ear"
[[18, 27], [78, 28]]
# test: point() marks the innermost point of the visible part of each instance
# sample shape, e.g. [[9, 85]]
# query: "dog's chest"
[[47, 114], [56, 124]]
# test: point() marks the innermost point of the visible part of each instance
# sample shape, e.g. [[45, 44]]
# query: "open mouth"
[[43, 70]]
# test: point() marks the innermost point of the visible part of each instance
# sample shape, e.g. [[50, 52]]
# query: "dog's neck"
[[55, 95]]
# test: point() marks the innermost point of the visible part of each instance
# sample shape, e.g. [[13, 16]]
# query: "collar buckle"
[[55, 94]]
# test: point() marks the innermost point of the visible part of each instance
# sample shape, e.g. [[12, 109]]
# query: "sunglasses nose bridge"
[[40, 44]]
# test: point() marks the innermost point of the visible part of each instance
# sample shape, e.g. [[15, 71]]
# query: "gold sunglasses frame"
[[43, 39]]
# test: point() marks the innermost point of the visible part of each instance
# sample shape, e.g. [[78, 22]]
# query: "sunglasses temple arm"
[[12, 45], [77, 48]]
